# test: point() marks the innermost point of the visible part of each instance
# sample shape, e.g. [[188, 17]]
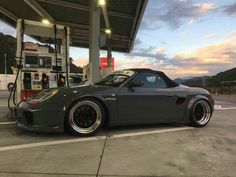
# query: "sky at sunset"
[[180, 37]]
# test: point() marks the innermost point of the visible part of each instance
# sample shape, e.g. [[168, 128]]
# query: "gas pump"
[[61, 81], [45, 81], [40, 67]]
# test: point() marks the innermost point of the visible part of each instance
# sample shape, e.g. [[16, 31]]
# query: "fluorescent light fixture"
[[102, 2], [45, 21], [108, 31]]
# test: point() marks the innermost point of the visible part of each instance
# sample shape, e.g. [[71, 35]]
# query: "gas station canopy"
[[124, 18]]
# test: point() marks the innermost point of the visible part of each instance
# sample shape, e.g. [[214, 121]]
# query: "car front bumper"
[[39, 118]]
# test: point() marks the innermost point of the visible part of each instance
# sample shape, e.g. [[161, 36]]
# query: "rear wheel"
[[200, 113], [85, 117]]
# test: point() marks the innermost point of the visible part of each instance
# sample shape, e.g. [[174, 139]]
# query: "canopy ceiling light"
[[108, 31], [45, 21], [102, 2]]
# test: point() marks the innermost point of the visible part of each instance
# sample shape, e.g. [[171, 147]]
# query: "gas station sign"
[[104, 63]]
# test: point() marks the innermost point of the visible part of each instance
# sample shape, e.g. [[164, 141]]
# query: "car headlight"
[[43, 96]]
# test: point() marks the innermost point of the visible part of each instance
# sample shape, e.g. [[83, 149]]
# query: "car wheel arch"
[[191, 101], [197, 98]]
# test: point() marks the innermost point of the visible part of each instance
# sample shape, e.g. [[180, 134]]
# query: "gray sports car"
[[126, 97]]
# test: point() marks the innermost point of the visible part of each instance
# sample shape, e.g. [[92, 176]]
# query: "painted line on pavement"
[[7, 123], [219, 107], [229, 108], [150, 132], [225, 102], [58, 142], [23, 146]]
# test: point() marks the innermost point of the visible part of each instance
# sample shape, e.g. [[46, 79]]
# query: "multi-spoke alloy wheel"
[[85, 117], [200, 113]]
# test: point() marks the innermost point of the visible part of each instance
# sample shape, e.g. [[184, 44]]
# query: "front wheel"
[[85, 117], [200, 113]]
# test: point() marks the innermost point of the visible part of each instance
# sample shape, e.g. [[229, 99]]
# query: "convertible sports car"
[[126, 97]]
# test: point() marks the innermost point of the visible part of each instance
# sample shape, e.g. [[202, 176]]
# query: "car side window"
[[151, 80]]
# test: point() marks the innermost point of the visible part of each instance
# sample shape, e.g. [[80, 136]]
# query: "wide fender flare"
[[195, 99]]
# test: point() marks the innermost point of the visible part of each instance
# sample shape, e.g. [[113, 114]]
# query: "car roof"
[[143, 70]]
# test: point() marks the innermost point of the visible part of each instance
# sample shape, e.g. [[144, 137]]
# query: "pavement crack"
[[101, 156]]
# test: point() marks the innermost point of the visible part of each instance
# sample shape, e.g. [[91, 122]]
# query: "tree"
[[8, 47]]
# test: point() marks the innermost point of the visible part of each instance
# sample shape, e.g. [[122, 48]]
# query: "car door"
[[151, 102]]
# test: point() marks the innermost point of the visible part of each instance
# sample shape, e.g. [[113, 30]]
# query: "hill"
[[180, 80], [8, 47], [212, 81]]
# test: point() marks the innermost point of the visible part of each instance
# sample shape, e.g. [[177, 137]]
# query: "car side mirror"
[[136, 83]]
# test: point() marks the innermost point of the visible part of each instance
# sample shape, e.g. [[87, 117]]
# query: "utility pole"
[[5, 55]]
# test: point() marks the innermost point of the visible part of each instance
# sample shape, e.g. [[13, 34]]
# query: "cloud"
[[230, 9], [192, 71], [160, 50], [137, 42], [209, 36], [204, 7], [219, 53], [81, 61], [191, 21], [150, 52], [207, 60], [231, 34], [173, 13]]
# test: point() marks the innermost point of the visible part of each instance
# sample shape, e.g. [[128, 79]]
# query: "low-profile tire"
[[85, 117], [200, 113]]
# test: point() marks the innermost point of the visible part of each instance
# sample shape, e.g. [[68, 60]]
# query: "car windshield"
[[116, 79]]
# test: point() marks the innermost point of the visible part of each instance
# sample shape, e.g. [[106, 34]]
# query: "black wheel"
[[200, 113], [85, 117]]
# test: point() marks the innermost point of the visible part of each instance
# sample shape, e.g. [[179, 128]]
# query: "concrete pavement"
[[130, 151]]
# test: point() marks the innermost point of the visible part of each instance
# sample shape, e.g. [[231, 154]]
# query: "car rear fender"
[[196, 98]]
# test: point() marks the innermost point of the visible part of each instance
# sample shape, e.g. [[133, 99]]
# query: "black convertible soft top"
[[170, 83]]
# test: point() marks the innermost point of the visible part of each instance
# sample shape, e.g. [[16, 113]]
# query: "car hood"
[[84, 89]]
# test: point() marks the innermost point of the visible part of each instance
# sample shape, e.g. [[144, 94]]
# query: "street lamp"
[[5, 55]]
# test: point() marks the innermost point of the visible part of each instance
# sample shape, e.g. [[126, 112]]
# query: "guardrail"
[[227, 90]]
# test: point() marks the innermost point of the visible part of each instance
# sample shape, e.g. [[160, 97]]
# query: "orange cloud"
[[219, 53], [160, 50], [207, 60], [191, 71], [204, 7], [81, 62]]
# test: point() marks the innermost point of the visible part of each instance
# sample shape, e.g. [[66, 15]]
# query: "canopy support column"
[[109, 55], [94, 34]]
